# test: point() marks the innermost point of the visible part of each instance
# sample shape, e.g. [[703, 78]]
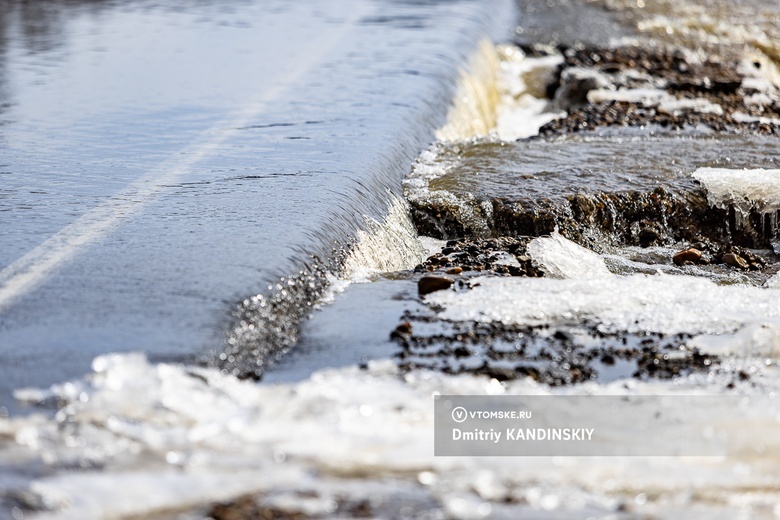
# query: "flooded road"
[[601, 204], [161, 162]]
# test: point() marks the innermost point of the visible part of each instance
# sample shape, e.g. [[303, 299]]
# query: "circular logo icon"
[[459, 414]]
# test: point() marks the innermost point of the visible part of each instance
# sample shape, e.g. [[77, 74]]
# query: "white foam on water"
[[390, 245], [386, 246], [559, 257], [428, 166], [432, 245], [745, 189], [523, 118], [522, 82]]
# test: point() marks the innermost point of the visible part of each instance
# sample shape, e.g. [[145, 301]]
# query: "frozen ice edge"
[[196, 436], [745, 189], [668, 304]]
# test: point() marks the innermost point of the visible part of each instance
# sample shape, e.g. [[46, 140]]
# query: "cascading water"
[[623, 318]]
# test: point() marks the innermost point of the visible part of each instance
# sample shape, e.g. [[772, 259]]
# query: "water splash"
[[390, 245]]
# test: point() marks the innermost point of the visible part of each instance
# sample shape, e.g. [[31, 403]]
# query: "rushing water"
[[337, 428], [163, 161]]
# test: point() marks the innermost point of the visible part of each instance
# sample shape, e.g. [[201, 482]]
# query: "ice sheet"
[[749, 188], [677, 107], [637, 303], [645, 96], [194, 435]]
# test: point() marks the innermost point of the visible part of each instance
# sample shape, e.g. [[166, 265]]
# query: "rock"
[[576, 82], [454, 270], [717, 81], [691, 255], [429, 284], [648, 237], [735, 260], [404, 329]]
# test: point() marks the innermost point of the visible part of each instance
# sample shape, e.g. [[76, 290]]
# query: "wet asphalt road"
[[160, 162]]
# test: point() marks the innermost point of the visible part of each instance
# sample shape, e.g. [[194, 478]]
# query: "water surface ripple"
[[159, 162]]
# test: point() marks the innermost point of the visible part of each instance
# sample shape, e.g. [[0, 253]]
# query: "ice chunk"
[[752, 340], [677, 107], [759, 98], [741, 117], [645, 96], [634, 304], [559, 257], [758, 189]]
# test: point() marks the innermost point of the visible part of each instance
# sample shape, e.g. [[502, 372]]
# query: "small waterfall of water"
[[390, 245], [500, 97], [474, 108], [267, 325]]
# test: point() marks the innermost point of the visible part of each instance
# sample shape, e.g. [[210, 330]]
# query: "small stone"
[[691, 255], [404, 329], [454, 270], [735, 261], [461, 352], [648, 237], [429, 284]]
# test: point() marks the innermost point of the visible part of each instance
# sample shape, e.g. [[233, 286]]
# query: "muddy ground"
[[678, 216]]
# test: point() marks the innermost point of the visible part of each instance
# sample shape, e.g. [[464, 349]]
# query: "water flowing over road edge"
[[383, 238], [171, 161], [356, 440]]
